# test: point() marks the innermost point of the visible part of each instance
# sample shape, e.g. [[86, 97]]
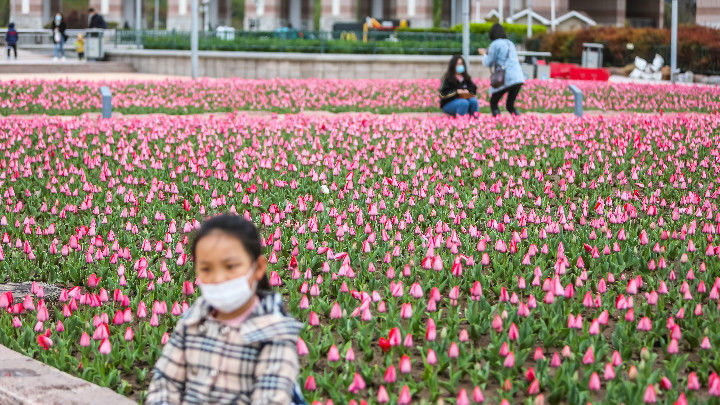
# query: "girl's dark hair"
[[451, 74], [496, 32], [241, 229]]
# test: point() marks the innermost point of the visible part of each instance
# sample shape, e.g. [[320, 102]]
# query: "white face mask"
[[229, 295]]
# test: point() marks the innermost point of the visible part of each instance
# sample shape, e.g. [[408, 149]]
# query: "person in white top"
[[58, 32]]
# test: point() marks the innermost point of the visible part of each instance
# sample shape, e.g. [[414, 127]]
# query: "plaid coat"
[[207, 362]]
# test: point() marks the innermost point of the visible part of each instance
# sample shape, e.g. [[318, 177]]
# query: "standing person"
[[457, 94], [96, 20], [11, 39], [80, 46], [59, 37], [502, 53], [236, 344]]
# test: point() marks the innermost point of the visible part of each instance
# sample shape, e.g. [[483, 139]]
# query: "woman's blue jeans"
[[60, 48], [461, 106]]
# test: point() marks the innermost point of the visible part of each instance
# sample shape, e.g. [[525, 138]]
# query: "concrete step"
[[27, 381], [36, 66]]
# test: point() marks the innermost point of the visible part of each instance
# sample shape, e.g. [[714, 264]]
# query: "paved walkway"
[[27, 381], [39, 64], [86, 76]]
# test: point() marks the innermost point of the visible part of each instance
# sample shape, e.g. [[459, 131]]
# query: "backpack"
[[12, 37]]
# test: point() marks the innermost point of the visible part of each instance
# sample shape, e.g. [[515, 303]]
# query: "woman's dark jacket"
[[449, 89], [61, 27]]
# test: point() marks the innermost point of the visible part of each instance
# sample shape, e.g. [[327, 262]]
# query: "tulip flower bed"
[[287, 95], [533, 259]]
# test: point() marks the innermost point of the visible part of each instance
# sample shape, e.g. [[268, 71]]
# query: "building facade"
[[268, 15]]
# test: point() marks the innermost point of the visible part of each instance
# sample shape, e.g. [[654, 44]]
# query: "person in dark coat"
[[96, 20], [58, 32], [457, 94], [11, 39]]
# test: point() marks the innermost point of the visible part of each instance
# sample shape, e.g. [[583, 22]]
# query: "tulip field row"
[[286, 95], [538, 259]]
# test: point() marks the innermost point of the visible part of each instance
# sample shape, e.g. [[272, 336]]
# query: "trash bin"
[[93, 45], [592, 56]]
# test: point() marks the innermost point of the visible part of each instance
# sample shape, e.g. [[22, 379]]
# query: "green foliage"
[[406, 43], [437, 12], [4, 13], [238, 13], [317, 12], [517, 30]]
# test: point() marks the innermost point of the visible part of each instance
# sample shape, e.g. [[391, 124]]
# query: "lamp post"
[[529, 19], [466, 32], [673, 41], [156, 17], [138, 22], [194, 40]]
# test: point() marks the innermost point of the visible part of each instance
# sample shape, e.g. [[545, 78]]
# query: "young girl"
[[236, 344]]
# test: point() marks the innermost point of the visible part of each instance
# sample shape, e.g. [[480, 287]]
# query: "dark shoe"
[[495, 113]]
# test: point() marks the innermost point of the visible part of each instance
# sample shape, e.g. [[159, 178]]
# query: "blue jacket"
[[503, 52], [11, 37]]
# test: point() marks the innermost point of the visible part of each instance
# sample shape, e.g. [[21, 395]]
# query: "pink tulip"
[[555, 360], [335, 312], [509, 360], [358, 384], [350, 354], [404, 397], [105, 347], [462, 398], [693, 383], [650, 396], [390, 375], [382, 395], [453, 351], [609, 373], [594, 382], [302, 348], [333, 354]]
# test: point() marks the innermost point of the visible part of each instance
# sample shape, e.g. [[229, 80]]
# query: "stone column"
[[262, 15], [28, 14], [422, 17], [377, 9], [334, 11], [179, 14]]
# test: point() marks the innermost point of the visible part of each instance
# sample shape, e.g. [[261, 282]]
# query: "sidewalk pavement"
[[28, 382]]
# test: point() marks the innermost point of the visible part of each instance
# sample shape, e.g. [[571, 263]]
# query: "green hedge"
[[437, 30], [435, 47], [514, 30], [517, 30]]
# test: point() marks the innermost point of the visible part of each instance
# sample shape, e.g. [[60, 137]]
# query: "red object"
[[575, 72], [384, 344], [560, 70]]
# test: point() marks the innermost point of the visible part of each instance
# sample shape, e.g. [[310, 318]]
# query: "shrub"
[[517, 30], [698, 47]]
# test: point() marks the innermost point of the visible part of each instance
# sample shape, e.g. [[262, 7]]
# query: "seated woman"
[[457, 94]]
